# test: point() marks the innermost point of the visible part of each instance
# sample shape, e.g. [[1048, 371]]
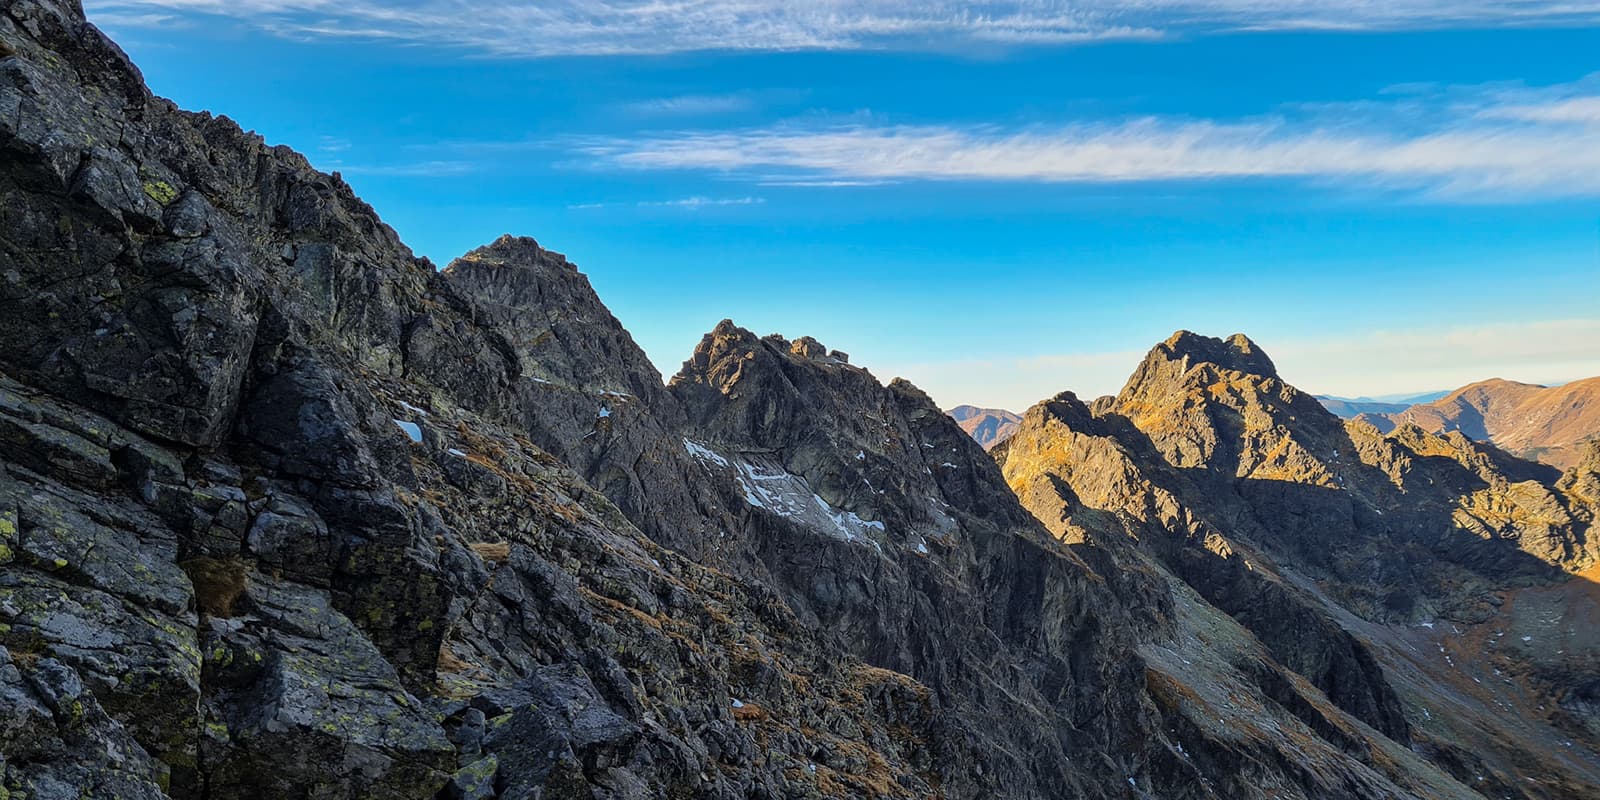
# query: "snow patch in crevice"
[[412, 430], [703, 453], [788, 495]]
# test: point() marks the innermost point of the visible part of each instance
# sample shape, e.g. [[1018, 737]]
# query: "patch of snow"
[[774, 489], [1428, 625], [737, 703], [411, 429], [704, 453], [538, 380], [922, 547], [949, 465], [413, 409], [609, 393], [759, 492], [849, 524], [456, 453], [1527, 638], [861, 455]]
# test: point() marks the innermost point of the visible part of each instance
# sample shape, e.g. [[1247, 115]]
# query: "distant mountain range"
[[989, 426], [1352, 407], [1542, 423]]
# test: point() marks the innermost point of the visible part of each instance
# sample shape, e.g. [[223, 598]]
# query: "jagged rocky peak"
[[1235, 353], [518, 256], [1186, 357], [1298, 526], [560, 330], [770, 381]]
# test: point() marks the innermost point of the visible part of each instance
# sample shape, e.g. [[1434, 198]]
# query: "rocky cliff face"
[[285, 512]]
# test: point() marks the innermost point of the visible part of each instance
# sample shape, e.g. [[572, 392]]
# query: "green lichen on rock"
[[8, 535], [160, 191]]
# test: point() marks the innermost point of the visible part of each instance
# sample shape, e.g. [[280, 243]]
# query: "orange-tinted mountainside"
[[1544, 423], [989, 426]]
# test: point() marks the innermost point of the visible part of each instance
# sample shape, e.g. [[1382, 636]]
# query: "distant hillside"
[[1352, 407], [1538, 422], [989, 426]]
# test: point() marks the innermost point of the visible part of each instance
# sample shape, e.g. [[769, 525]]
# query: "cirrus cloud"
[[1464, 143], [542, 28]]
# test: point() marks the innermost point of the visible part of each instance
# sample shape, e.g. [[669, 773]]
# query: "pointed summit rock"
[[1236, 353], [560, 330]]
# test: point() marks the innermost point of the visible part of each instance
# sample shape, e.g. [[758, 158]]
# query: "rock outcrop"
[[286, 512]]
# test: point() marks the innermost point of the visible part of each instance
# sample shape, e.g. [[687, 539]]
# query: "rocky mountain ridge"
[[287, 512], [1346, 552]]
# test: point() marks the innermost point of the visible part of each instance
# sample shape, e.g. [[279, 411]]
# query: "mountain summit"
[[1342, 550]]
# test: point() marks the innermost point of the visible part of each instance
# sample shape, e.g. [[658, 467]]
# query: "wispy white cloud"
[[821, 183], [693, 105], [112, 20], [703, 202], [536, 28], [689, 203], [1465, 143]]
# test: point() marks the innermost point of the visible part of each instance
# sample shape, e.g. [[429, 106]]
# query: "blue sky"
[[995, 200]]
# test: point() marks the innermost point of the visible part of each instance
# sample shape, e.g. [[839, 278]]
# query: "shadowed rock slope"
[[1397, 573], [285, 512]]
